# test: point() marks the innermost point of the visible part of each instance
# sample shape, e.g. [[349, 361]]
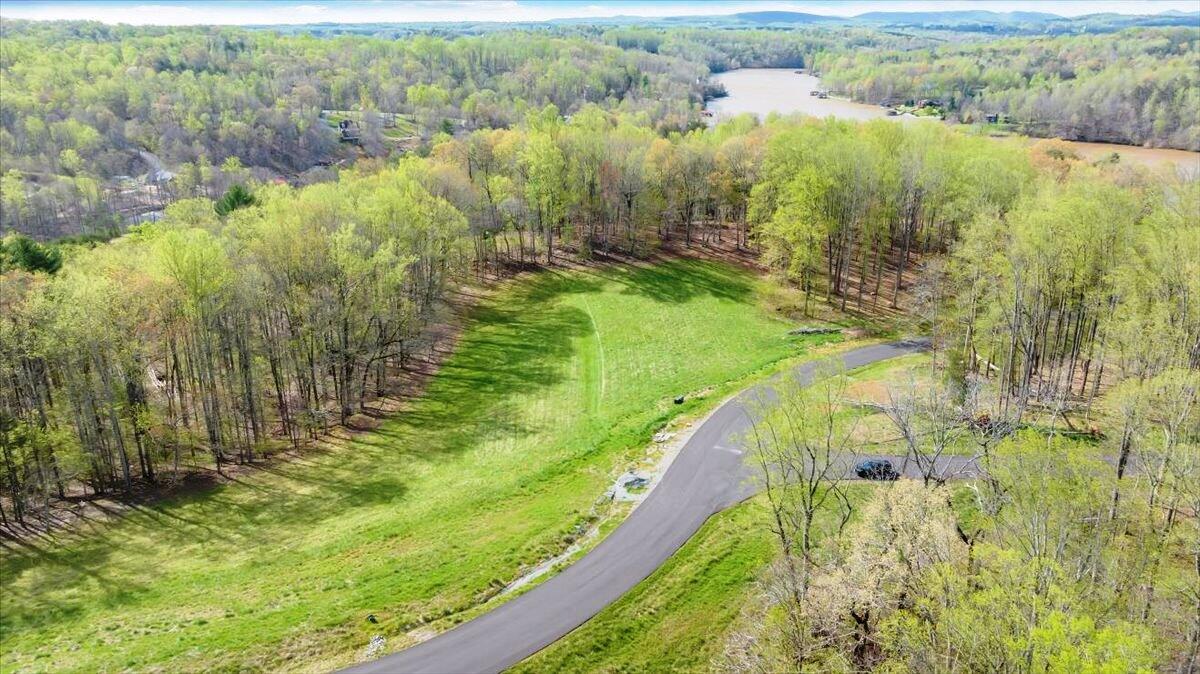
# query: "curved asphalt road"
[[706, 477]]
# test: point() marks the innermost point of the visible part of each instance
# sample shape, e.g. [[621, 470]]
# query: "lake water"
[[766, 90]]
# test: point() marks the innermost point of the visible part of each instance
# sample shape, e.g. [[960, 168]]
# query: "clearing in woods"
[[493, 469]]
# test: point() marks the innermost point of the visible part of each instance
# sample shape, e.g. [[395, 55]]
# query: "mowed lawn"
[[555, 384]]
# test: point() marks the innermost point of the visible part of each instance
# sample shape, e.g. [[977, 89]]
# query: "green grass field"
[[556, 384]]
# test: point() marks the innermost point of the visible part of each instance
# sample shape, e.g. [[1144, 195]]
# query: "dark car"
[[876, 469]]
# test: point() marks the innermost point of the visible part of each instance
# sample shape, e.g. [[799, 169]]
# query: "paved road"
[[706, 477]]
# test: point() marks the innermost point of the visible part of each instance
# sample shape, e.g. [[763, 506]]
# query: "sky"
[[242, 12]]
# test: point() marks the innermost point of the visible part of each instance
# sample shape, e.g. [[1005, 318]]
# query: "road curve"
[[706, 477]]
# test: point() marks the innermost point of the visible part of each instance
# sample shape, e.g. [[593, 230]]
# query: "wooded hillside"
[[90, 109], [1139, 87], [226, 332]]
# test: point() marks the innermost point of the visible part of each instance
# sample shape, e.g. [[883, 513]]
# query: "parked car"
[[876, 469]]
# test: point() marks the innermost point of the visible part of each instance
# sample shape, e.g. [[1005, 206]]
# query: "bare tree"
[[803, 447], [930, 422]]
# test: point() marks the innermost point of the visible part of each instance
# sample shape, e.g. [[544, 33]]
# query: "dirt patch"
[[362, 422], [875, 429], [423, 633], [868, 391]]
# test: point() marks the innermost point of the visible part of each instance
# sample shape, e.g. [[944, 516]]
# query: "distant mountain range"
[[973, 20], [969, 20], [904, 18], [981, 21]]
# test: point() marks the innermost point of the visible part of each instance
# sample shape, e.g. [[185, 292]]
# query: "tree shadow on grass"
[[58, 567], [679, 281], [517, 344], [514, 345]]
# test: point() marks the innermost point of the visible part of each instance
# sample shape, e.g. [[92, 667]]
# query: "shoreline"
[[855, 111]]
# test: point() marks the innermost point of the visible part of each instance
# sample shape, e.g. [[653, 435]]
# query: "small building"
[[142, 218], [349, 131], [159, 176]]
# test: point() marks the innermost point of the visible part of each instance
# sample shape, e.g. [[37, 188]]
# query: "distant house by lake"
[[159, 177]]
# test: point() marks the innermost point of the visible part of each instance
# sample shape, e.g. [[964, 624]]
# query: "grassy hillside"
[[555, 384]]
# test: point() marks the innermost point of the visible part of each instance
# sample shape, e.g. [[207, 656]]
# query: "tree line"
[[1054, 269], [90, 107]]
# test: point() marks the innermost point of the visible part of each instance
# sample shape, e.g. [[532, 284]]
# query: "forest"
[[89, 107], [270, 315], [565, 183], [1137, 87], [81, 101]]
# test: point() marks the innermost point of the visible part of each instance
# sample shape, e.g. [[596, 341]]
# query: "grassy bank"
[[556, 382], [677, 619], [680, 618]]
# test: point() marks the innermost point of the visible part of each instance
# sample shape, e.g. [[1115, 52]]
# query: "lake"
[[765, 90]]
